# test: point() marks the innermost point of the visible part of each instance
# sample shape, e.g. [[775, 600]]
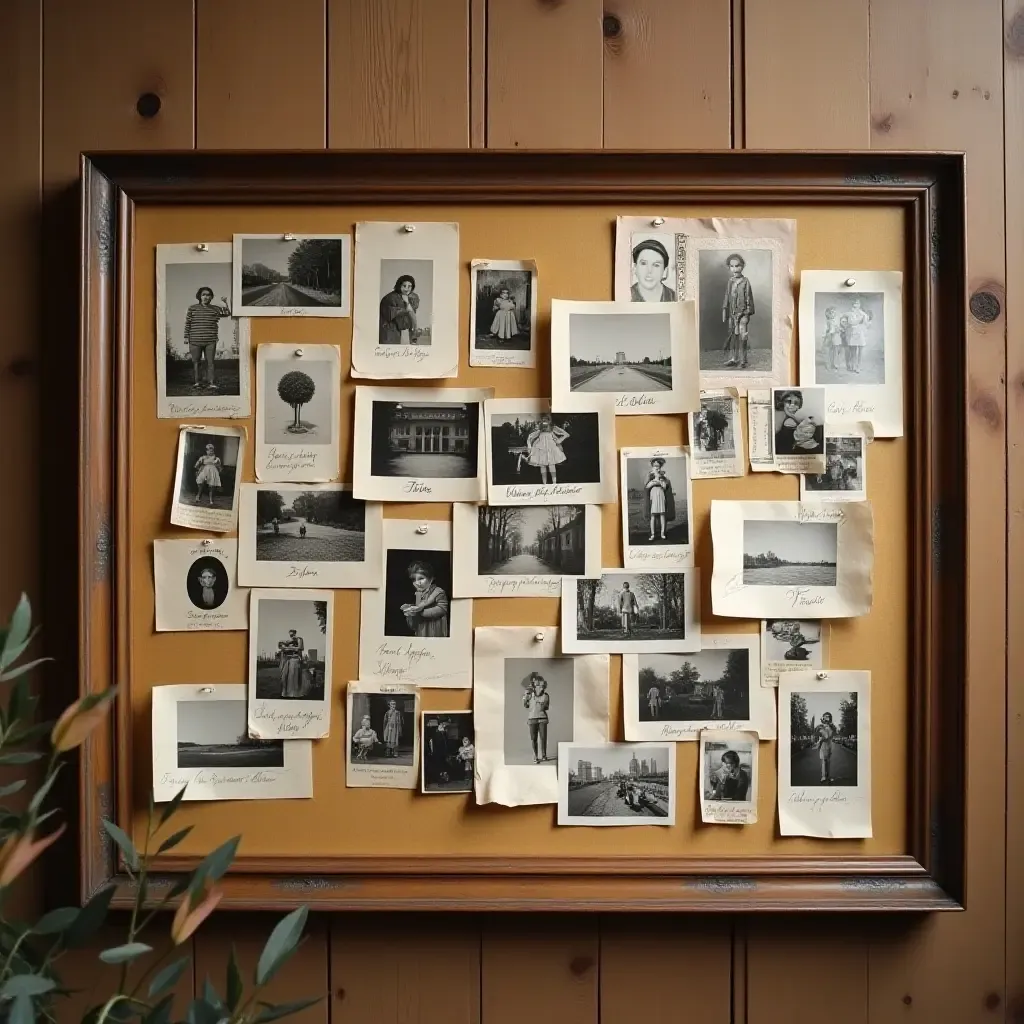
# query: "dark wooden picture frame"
[[928, 187]]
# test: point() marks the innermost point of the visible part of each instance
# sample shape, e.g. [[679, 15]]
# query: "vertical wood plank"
[[936, 69], [405, 970], [647, 962], [261, 74], [478, 73], [806, 74], [545, 74], [667, 81], [541, 970], [398, 73]]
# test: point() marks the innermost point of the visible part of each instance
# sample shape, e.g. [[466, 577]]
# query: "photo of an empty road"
[[618, 352], [303, 272]]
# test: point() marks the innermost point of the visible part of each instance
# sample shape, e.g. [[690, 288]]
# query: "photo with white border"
[[207, 475], [196, 586], [792, 645], [728, 777], [716, 436], [845, 474], [448, 761], [382, 736], [503, 313], [657, 507], [798, 430]]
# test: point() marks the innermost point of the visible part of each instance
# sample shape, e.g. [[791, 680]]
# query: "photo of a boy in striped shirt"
[[202, 320]]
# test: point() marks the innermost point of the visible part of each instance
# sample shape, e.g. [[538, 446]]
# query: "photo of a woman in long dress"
[[427, 615], [207, 470], [505, 324], [544, 445], [290, 659]]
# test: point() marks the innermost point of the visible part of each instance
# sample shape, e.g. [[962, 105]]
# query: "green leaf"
[[21, 757], [272, 1012], [281, 944], [200, 1012], [166, 979], [172, 806], [210, 996], [22, 1011], [17, 632], [214, 865], [171, 841], [123, 954], [19, 703], [6, 677], [235, 986], [40, 794], [59, 920], [161, 1013], [90, 918], [119, 836], [12, 787], [26, 985]]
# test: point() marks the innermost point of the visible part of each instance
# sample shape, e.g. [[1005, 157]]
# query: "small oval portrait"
[[207, 583]]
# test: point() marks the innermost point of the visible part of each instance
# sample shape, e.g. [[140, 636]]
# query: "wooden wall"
[[687, 74]]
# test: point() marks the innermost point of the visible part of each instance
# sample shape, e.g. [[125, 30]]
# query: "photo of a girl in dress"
[[207, 583], [656, 500], [538, 448], [503, 301], [798, 430], [416, 596], [660, 502], [544, 448], [208, 470], [849, 346]]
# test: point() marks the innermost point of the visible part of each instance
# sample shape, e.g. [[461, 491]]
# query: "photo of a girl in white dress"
[[544, 445], [503, 301], [208, 473]]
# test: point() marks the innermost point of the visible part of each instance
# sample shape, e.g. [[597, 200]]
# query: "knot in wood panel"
[[611, 26], [581, 964], [148, 105], [1014, 37], [985, 307]]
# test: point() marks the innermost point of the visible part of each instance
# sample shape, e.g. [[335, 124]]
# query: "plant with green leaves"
[[151, 960]]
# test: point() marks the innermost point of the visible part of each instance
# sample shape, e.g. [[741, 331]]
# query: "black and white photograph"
[[656, 501], [716, 437], [798, 429], [308, 535], [674, 696], [202, 349], [616, 784], [290, 635], [207, 476], [792, 645], [195, 583], [503, 314], [201, 741], [652, 267], [540, 455], [645, 355], [292, 275], [527, 699], [419, 444], [791, 559], [412, 630], [844, 476], [851, 330], [523, 550], [728, 777], [298, 400], [382, 736], [448, 764], [824, 754], [736, 308], [406, 311]]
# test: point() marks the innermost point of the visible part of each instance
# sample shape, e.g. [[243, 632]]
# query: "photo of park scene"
[[304, 272], [711, 685], [525, 540], [309, 526], [823, 739], [618, 352], [790, 553], [656, 611], [215, 734]]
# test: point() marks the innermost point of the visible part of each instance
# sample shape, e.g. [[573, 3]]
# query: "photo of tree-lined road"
[[298, 272], [525, 541], [619, 352], [309, 526], [808, 735]]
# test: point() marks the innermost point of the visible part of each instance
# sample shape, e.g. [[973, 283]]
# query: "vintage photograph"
[[616, 784], [527, 699], [710, 686], [735, 316], [207, 582], [213, 734], [292, 275], [503, 315], [791, 643], [849, 339], [799, 428], [406, 302], [793, 554], [656, 498], [652, 267], [716, 437], [206, 478], [195, 586], [728, 777], [202, 349], [417, 588], [843, 479], [822, 738], [382, 733], [448, 764]]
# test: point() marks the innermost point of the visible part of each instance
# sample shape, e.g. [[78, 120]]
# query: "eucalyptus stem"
[[139, 894], [149, 970]]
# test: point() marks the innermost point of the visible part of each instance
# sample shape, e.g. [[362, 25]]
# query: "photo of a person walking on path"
[[823, 738], [628, 608]]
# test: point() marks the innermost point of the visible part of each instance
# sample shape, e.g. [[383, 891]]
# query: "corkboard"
[[573, 247]]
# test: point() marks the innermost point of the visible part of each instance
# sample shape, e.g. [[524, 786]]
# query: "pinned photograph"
[[292, 275], [419, 444], [740, 273], [527, 700], [406, 314], [412, 630], [290, 663], [616, 784], [728, 777], [716, 437], [503, 313], [309, 535], [298, 402], [824, 755], [798, 437], [656, 502], [448, 764], [383, 741], [202, 349], [792, 645], [644, 355], [207, 477], [777, 559], [855, 318], [623, 612], [844, 477], [675, 696], [201, 742], [196, 587], [523, 550], [539, 455]]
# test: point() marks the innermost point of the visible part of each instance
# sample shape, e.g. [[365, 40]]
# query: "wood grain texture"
[[667, 80], [392, 969], [936, 68], [261, 74], [806, 74], [398, 74], [544, 74], [478, 73]]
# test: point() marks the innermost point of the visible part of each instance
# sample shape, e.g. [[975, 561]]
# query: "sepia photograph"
[[849, 338], [790, 554], [843, 479], [652, 273], [503, 317], [195, 589], [448, 764], [655, 506], [382, 736], [290, 647], [292, 275], [616, 784], [406, 301], [417, 587], [213, 734], [539, 711], [712, 685], [823, 738]]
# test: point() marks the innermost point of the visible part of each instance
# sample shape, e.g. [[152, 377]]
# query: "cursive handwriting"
[[801, 597], [814, 803], [410, 654], [850, 408], [819, 514], [544, 491], [634, 401], [213, 409], [671, 553], [416, 353], [286, 723], [500, 585], [205, 777], [300, 572], [290, 459], [417, 487], [691, 728]]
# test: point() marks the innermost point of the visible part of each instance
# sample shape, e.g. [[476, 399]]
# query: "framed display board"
[[358, 849]]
